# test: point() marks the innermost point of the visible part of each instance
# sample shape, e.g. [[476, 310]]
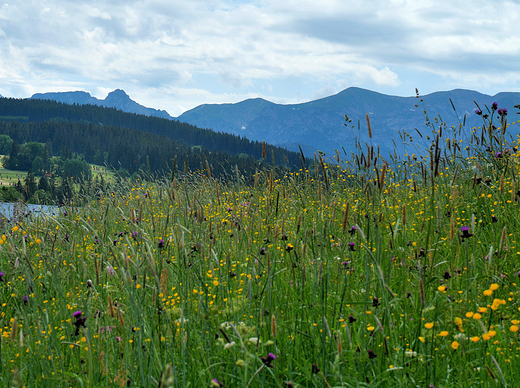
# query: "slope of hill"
[[57, 116], [117, 99], [318, 125]]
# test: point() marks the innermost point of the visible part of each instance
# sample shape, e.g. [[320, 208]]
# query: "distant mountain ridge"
[[319, 125], [117, 99]]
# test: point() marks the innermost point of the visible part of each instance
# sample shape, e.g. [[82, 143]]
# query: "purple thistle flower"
[[314, 369], [352, 230], [494, 106], [371, 354], [25, 300], [2, 276], [465, 232], [351, 246], [478, 112], [161, 243], [502, 112], [268, 360]]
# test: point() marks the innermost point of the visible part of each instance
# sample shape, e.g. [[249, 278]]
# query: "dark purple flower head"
[[371, 354], [478, 112], [352, 246], [502, 112], [352, 230], [268, 360], [25, 300], [351, 319], [2, 276], [494, 106], [80, 321], [375, 302], [262, 251], [161, 243], [498, 155], [446, 275], [465, 232], [315, 369]]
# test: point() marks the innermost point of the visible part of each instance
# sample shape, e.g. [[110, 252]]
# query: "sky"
[[176, 55]]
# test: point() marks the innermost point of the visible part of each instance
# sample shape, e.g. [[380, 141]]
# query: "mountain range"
[[319, 125], [117, 99]]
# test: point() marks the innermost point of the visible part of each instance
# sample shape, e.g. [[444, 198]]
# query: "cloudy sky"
[[175, 55]]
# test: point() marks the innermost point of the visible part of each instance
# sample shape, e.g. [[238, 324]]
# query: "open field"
[[338, 275]]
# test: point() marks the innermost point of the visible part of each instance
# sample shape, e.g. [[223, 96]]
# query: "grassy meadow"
[[343, 274]]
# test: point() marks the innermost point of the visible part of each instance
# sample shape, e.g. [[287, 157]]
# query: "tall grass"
[[344, 273]]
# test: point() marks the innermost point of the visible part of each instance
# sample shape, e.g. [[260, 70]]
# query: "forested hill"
[[90, 119]]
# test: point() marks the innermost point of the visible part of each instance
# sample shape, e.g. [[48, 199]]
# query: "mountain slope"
[[117, 99], [319, 124]]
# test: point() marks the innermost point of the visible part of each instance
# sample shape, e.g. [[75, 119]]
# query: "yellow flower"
[[469, 314], [475, 339], [482, 309], [422, 339], [15, 228], [477, 316], [428, 325], [488, 292], [441, 288], [494, 287], [215, 283], [457, 321], [370, 328], [514, 328], [443, 333], [455, 345], [486, 336], [492, 333]]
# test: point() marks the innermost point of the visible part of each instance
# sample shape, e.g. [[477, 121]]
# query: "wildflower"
[[494, 287], [375, 302], [488, 292], [352, 230], [2, 276], [443, 333], [498, 155], [446, 275], [441, 288], [494, 106], [89, 283], [455, 345], [80, 320], [513, 328], [502, 112], [262, 251], [110, 270], [465, 232], [216, 384], [351, 319], [351, 246], [314, 369], [475, 339], [478, 112], [428, 325], [289, 247], [161, 243], [268, 360], [25, 300], [371, 354]]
